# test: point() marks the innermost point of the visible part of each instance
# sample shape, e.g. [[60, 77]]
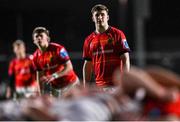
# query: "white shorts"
[[26, 91]]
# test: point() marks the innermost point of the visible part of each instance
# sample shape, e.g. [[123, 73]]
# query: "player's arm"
[[11, 86], [137, 78], [87, 71], [125, 61], [67, 67], [11, 80], [39, 74], [124, 50]]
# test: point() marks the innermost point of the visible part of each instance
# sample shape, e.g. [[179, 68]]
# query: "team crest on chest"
[[110, 40]]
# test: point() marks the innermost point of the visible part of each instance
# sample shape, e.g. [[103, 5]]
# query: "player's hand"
[[8, 92], [47, 79], [173, 94]]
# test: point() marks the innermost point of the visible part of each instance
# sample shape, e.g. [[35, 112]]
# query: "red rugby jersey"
[[153, 107], [23, 72], [51, 61], [104, 51]]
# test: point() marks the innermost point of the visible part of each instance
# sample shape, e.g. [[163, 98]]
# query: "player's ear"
[[49, 39], [92, 18], [108, 17], [33, 38], [34, 41]]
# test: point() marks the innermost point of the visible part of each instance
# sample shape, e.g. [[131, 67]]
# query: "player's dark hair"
[[99, 7]]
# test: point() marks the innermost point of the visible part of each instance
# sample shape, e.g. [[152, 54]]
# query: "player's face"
[[19, 49], [41, 39], [100, 18]]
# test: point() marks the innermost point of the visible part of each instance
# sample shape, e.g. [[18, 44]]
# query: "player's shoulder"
[[90, 37], [115, 30], [36, 52], [13, 60], [55, 45], [30, 56]]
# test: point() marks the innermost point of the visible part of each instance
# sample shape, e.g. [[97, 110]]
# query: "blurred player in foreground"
[[88, 104]]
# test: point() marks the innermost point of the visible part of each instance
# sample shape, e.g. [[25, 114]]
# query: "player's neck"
[[21, 55], [43, 48], [101, 29]]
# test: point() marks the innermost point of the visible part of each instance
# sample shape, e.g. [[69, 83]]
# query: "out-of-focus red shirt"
[[23, 72]]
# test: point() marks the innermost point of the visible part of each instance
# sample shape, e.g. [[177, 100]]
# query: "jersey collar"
[[104, 31]]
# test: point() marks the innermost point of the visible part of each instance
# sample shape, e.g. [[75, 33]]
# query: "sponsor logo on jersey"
[[110, 40], [103, 52]]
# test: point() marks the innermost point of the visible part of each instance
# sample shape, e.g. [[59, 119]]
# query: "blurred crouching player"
[[54, 68]]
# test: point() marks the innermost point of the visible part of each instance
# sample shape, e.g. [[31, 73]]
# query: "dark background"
[[69, 22]]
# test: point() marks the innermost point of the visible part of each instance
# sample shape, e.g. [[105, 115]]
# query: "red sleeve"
[[86, 50], [123, 46], [62, 55]]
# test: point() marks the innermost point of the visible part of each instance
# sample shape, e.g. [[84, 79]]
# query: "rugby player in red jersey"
[[105, 50], [21, 72], [52, 62]]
